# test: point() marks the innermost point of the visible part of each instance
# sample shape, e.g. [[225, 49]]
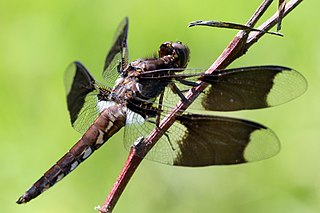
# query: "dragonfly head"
[[179, 51]]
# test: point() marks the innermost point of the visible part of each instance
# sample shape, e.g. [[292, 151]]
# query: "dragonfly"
[[139, 94]]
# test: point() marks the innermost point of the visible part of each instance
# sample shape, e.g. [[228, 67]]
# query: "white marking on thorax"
[[105, 104], [139, 87], [119, 80], [134, 118]]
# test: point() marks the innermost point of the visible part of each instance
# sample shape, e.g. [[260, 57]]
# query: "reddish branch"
[[237, 47]]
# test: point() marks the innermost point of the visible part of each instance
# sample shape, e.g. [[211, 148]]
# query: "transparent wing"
[[178, 82], [163, 151], [117, 57]]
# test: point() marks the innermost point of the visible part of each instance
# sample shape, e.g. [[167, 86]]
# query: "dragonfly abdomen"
[[110, 121]]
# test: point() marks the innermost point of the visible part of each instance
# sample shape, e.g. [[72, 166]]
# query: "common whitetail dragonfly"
[[139, 94]]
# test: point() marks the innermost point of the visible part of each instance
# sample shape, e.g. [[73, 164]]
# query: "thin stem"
[[267, 25], [282, 5], [259, 12], [129, 168]]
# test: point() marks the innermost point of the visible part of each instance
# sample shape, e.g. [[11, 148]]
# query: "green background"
[[38, 39]]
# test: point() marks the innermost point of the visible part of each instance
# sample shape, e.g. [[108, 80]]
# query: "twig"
[[282, 5], [267, 25], [237, 47]]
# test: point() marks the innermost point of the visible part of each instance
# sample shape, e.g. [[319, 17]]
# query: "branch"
[[236, 48]]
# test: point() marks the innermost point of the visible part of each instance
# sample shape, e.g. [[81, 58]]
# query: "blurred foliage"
[[39, 39]]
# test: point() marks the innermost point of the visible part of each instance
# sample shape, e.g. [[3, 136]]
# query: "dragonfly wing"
[[252, 88], [203, 140], [82, 96], [215, 140], [117, 57]]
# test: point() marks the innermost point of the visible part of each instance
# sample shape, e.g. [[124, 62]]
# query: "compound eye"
[[182, 53]]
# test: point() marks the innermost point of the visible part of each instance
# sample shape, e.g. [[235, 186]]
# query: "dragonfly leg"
[[177, 91]]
